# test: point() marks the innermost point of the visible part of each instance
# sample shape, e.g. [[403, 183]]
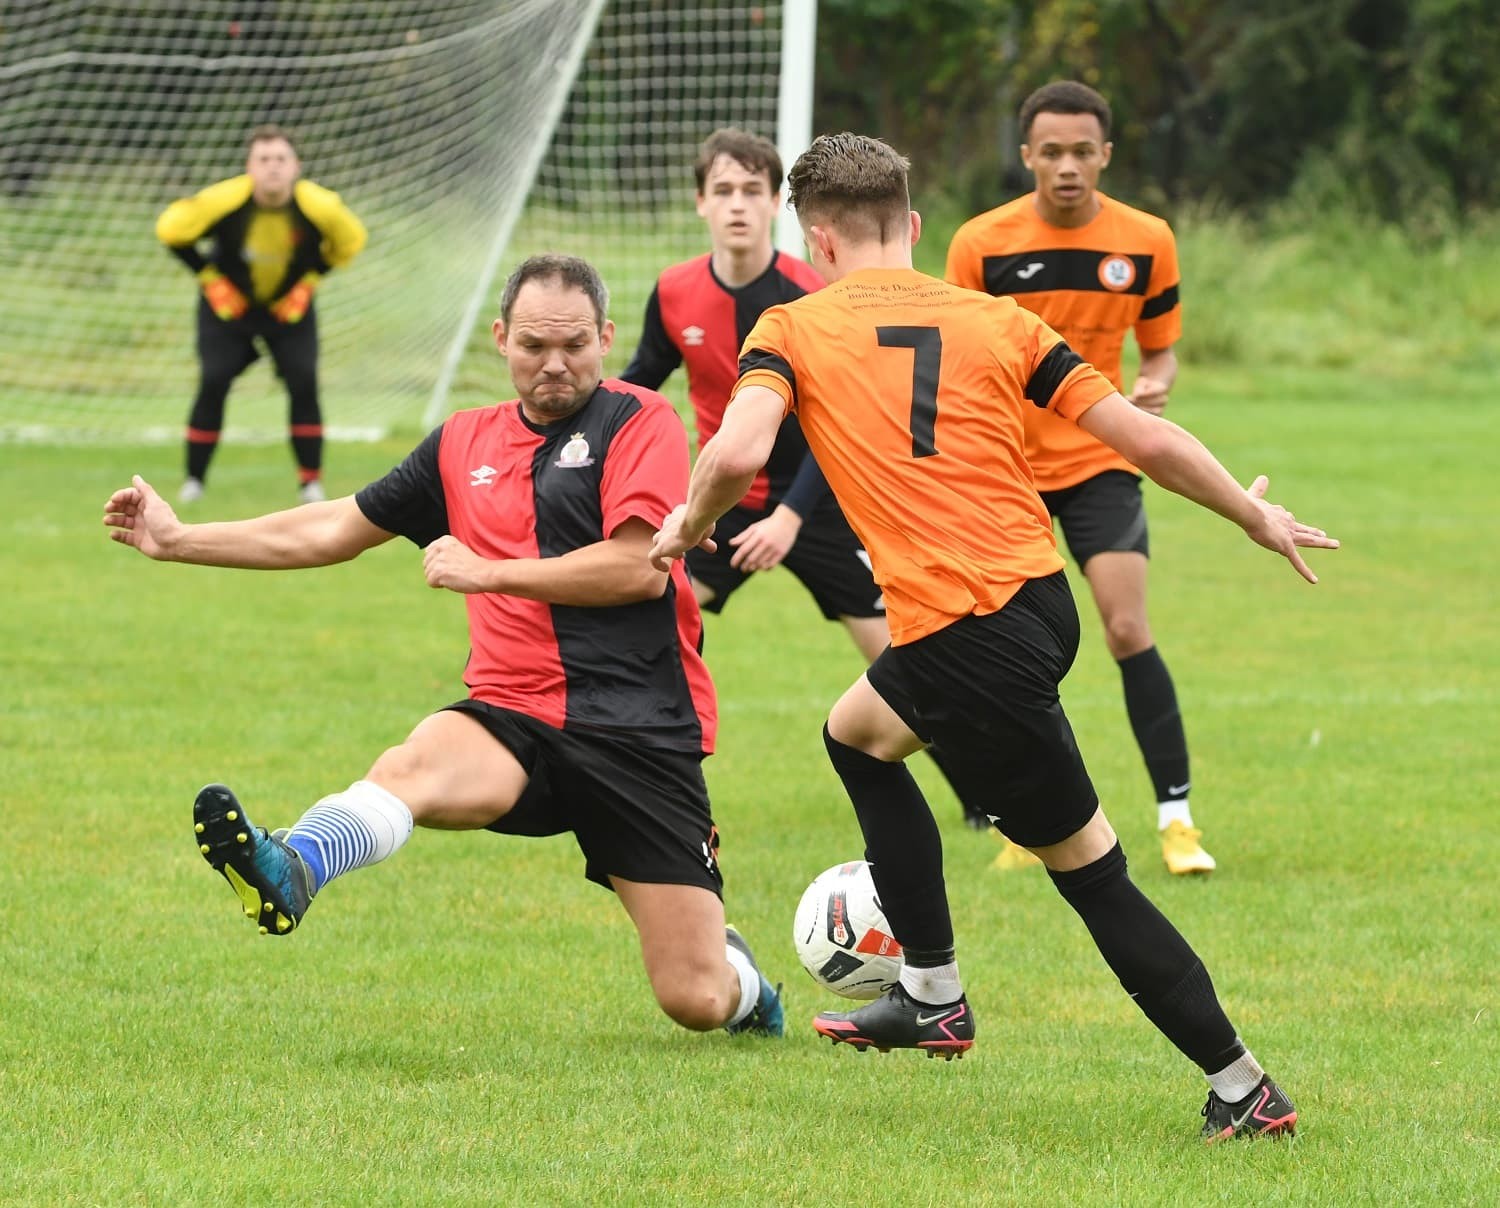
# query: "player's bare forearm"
[[317, 534], [719, 481], [1169, 455], [730, 461], [606, 574], [1174, 458], [1160, 365]]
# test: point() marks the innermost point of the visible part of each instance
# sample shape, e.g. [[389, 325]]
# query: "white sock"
[[1237, 1079], [937, 987], [362, 825], [1168, 812], [749, 984]]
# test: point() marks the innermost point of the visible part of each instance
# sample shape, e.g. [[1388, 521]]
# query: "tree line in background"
[[1389, 107], [1386, 107]]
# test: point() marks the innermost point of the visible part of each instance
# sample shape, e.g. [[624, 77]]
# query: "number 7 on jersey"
[[926, 344]]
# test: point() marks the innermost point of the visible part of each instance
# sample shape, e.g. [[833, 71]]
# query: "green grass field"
[[469, 1024]]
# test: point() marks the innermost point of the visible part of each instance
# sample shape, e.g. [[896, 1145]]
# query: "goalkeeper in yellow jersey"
[[270, 238]]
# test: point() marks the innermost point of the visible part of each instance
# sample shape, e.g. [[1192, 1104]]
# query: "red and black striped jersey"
[[508, 488], [695, 318]]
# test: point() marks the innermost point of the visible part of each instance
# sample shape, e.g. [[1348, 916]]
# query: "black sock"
[[308, 451], [1151, 703], [199, 454], [1154, 963], [903, 847]]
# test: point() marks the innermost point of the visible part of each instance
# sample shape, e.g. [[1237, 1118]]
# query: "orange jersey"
[[1091, 284], [912, 395]]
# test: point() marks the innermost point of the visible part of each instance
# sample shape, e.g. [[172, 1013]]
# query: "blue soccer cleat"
[[272, 880], [767, 1017]]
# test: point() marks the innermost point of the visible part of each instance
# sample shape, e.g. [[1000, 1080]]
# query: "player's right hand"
[[673, 540], [1278, 530], [224, 297], [136, 515]]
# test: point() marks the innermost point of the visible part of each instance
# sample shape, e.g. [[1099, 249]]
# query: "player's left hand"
[[674, 539], [292, 305], [767, 542], [1278, 530], [136, 515], [1149, 394], [449, 563]]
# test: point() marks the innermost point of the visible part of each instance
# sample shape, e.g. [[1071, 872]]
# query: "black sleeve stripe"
[[1159, 305], [1049, 375], [758, 358], [655, 356]]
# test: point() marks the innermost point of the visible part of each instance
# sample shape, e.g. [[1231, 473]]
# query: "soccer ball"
[[841, 935]]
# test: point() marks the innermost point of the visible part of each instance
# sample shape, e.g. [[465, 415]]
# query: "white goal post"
[[465, 134]]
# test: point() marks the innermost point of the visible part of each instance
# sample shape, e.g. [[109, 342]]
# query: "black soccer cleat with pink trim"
[[1265, 1112], [895, 1020]]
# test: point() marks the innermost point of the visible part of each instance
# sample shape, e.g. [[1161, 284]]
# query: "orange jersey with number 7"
[[912, 394]]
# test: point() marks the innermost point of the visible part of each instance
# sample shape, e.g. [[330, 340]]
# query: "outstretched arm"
[[726, 467], [1174, 458], [316, 534]]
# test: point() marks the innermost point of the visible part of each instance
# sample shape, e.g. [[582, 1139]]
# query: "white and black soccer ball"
[[841, 935]]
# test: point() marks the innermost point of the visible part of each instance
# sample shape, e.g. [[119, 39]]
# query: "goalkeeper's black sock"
[[307, 447], [201, 443], [903, 847]]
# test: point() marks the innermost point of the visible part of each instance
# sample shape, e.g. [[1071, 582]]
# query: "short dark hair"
[[853, 182], [750, 151], [1064, 96], [268, 131], [570, 271]]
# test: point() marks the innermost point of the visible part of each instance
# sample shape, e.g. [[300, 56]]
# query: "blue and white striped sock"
[[362, 825]]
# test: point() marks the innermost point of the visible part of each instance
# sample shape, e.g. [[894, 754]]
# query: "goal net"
[[616, 186], [432, 120]]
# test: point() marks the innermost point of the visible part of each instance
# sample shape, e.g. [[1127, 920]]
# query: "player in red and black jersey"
[[589, 709], [699, 314]]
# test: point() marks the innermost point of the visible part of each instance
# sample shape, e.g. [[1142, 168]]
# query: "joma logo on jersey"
[[483, 476], [692, 336]]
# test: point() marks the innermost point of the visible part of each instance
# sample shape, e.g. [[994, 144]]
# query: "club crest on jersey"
[[575, 454], [693, 336], [1117, 272]]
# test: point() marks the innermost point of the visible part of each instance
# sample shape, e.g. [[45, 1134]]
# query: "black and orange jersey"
[[263, 251], [509, 488], [693, 317], [1091, 284], [912, 395]]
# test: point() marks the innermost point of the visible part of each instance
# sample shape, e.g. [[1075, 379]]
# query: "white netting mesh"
[[424, 116], [617, 184], [421, 115]]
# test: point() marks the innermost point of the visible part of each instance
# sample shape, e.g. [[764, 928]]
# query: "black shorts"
[[1102, 514], [827, 559], [639, 813], [983, 691]]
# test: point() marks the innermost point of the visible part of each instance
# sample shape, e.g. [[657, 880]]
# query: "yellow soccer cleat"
[[1182, 851], [1012, 856]]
